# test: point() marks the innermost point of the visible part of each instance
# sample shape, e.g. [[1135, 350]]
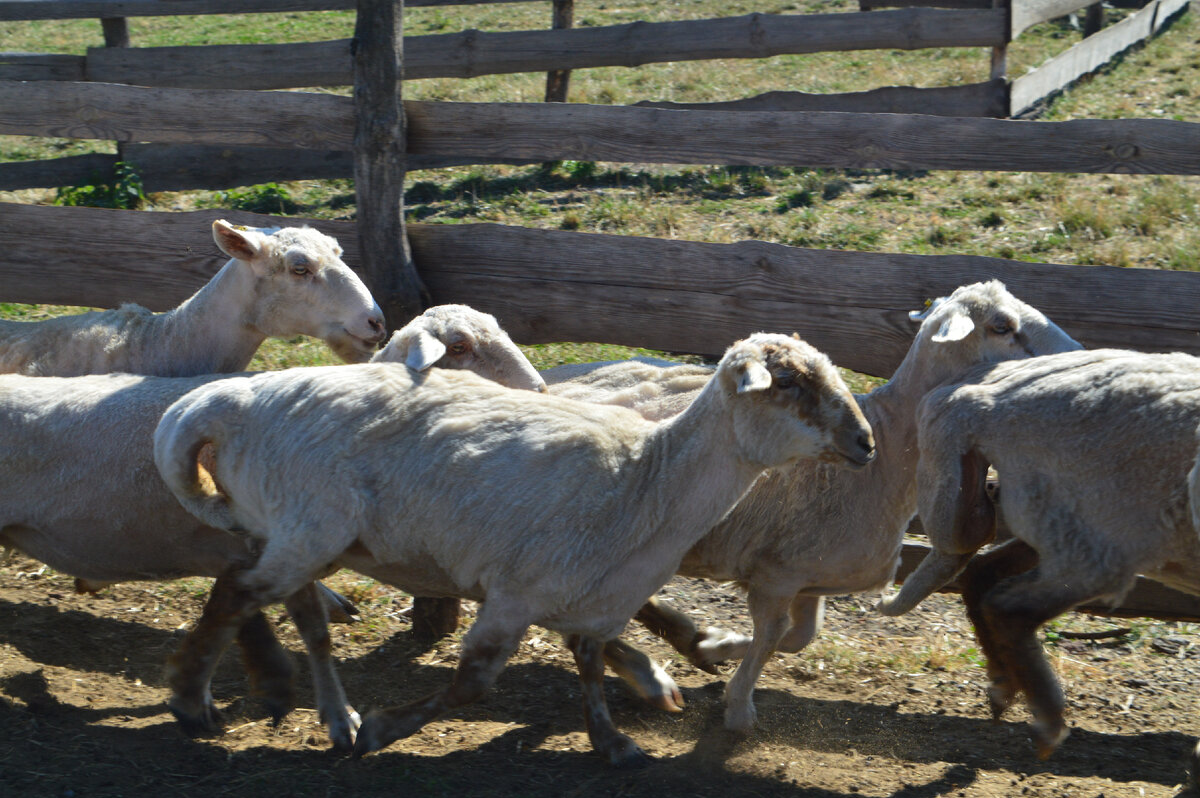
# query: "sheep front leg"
[[485, 650], [983, 573], [620, 750], [189, 670], [652, 684], [770, 614], [309, 611], [703, 649]]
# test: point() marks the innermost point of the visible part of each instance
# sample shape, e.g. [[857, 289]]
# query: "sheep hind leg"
[[1013, 611], [770, 615], [189, 670], [980, 576], [647, 678], [606, 740], [486, 648], [704, 649], [268, 666], [808, 616], [310, 613]]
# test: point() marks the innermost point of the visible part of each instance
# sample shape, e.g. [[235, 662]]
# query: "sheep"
[[1096, 452], [87, 442], [278, 282], [808, 531], [550, 511]]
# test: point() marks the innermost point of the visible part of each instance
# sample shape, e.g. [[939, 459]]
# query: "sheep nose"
[[866, 445], [378, 329]]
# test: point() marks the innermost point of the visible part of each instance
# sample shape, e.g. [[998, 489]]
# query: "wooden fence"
[[557, 51], [563, 286]]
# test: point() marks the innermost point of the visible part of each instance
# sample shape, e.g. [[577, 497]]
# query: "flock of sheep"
[[448, 466]]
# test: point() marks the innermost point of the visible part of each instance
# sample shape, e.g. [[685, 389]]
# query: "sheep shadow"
[[541, 699]]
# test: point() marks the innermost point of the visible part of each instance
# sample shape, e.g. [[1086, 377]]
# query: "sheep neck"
[[690, 478], [209, 333]]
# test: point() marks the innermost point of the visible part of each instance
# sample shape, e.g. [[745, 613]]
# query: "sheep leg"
[[770, 616], [189, 670], [310, 613], [703, 649], [982, 574], [606, 740], [652, 684], [1013, 611], [486, 648], [268, 666], [959, 518], [807, 614], [434, 618]]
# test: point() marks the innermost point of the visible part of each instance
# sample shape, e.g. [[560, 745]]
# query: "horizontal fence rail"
[[1092, 53], [85, 9], [699, 297], [556, 131], [590, 287], [473, 53]]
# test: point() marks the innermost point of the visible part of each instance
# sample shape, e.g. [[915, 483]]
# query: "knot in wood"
[[1126, 151]]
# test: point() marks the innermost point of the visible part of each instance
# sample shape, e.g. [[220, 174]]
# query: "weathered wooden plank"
[[232, 66], [70, 171], [1090, 54], [41, 66], [472, 53], [976, 99], [1027, 13], [550, 285], [1147, 599], [379, 165], [80, 256], [870, 5], [547, 132], [133, 113], [87, 9], [501, 132], [701, 297]]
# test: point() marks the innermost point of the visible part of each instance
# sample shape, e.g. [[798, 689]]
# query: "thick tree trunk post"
[[557, 80], [1094, 20], [379, 188], [379, 165], [116, 34]]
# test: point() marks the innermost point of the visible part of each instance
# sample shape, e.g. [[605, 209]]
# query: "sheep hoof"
[[625, 754], [1048, 736], [714, 646], [1195, 767], [741, 720], [381, 728], [343, 729], [205, 722], [1000, 696]]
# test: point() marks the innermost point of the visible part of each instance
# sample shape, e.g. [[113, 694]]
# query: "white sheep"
[[550, 511], [278, 282], [87, 442], [808, 531], [1094, 451]]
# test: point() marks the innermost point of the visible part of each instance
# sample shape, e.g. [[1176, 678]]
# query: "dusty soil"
[[876, 707]]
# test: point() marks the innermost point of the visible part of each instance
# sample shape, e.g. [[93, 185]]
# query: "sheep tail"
[[185, 442]]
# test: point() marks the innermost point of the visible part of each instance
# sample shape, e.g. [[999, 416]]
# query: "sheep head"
[[301, 286], [460, 337], [790, 402]]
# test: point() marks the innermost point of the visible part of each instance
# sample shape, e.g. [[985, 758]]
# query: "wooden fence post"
[[116, 34], [557, 80], [379, 155]]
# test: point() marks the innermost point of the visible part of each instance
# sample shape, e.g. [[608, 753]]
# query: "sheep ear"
[[242, 244], [955, 328], [931, 305], [424, 351], [753, 377]]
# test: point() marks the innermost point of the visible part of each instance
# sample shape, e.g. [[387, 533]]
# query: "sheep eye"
[[1001, 328], [300, 270], [784, 381], [457, 349]]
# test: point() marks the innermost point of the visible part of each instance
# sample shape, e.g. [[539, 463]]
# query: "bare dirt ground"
[[876, 707]]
